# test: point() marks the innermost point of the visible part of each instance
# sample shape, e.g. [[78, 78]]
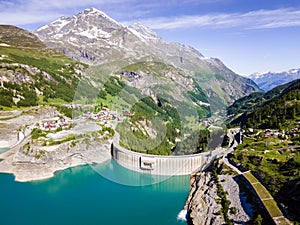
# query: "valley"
[[74, 86]]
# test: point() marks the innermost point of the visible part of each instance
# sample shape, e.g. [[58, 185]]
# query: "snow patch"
[[294, 71], [143, 32], [260, 75], [206, 58], [139, 35], [257, 75], [4, 45], [57, 24], [72, 39], [94, 33], [60, 23]]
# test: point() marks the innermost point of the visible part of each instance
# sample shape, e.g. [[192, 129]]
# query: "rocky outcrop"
[[28, 160], [202, 206], [35, 163], [237, 198], [21, 73]]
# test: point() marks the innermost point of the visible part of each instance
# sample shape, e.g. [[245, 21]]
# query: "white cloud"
[[23, 12], [261, 19], [21, 18]]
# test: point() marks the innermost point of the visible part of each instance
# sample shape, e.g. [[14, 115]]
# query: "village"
[[268, 133], [60, 122]]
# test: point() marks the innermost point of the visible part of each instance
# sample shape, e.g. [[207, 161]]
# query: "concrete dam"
[[162, 165]]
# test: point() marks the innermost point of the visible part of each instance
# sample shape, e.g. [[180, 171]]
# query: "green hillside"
[[277, 109], [162, 115], [271, 141], [31, 74]]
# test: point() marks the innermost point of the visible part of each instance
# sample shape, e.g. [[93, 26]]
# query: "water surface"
[[80, 196], [2, 150]]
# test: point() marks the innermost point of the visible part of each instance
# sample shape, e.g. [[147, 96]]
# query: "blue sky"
[[247, 35]]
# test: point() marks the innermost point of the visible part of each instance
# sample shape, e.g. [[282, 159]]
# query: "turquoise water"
[[2, 150], [80, 196]]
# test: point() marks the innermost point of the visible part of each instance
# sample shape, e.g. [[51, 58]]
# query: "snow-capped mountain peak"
[[93, 37], [269, 80], [57, 24], [96, 12], [257, 75], [90, 23], [294, 71]]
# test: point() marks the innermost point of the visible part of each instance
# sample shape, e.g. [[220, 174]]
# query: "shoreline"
[[29, 161], [26, 169]]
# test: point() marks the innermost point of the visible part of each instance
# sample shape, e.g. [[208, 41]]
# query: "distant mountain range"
[[269, 80]]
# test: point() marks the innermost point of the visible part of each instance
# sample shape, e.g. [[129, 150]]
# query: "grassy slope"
[[275, 158]]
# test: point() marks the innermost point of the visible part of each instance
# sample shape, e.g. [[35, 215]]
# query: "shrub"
[[36, 133]]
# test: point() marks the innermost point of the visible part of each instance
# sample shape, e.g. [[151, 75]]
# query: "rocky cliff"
[[202, 207], [216, 197]]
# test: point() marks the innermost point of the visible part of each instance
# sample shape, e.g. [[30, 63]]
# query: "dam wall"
[[162, 165]]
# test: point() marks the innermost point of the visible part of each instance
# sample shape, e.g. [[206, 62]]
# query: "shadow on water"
[[120, 175], [114, 173]]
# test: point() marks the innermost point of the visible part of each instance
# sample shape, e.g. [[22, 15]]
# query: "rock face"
[[94, 38], [202, 205], [21, 73], [41, 163], [202, 208], [237, 199]]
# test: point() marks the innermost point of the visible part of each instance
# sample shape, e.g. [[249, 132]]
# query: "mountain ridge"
[[29, 40], [268, 80], [98, 21], [92, 37]]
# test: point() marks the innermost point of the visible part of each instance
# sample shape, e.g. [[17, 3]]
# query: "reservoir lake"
[[103, 194]]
